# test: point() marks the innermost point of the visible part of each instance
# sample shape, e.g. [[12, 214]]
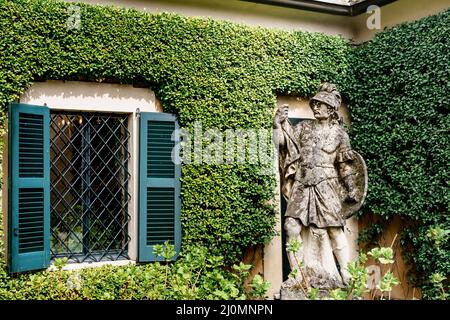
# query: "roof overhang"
[[350, 10]]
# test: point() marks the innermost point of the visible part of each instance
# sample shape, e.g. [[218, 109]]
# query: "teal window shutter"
[[29, 187], [159, 186]]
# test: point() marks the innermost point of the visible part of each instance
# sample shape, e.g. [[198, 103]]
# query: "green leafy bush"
[[398, 91], [358, 286], [196, 275]]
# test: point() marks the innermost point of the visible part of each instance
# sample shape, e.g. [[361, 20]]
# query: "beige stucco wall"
[[256, 14], [396, 13], [253, 14], [391, 238], [102, 97], [90, 96]]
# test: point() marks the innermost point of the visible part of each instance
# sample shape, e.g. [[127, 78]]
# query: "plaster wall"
[[252, 14], [395, 13], [256, 14], [400, 269]]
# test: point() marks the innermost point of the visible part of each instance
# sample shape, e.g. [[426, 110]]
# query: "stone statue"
[[324, 182]]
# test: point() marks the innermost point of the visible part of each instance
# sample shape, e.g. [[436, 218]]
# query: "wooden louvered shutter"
[[29, 187], [159, 194]]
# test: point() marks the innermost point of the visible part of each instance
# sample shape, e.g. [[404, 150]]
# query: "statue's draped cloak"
[[310, 175]]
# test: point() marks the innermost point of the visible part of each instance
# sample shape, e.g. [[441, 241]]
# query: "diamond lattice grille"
[[89, 186]]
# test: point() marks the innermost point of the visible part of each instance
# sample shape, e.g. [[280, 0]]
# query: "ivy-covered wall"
[[227, 76], [399, 94], [222, 74]]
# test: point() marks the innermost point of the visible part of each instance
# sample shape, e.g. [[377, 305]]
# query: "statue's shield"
[[359, 169]]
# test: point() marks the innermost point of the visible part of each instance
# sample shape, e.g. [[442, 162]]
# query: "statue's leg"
[[293, 228], [341, 251]]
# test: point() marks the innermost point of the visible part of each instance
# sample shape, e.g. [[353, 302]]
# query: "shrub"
[[398, 95], [196, 275]]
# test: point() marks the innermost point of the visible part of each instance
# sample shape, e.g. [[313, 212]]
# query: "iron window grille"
[[89, 186]]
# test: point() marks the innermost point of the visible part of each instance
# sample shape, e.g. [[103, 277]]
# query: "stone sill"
[[83, 265]]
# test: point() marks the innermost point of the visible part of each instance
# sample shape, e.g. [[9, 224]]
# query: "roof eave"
[[323, 7]]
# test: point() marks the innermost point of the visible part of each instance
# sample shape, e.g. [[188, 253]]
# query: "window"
[[70, 186], [89, 186]]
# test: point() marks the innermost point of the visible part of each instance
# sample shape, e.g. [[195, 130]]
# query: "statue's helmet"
[[329, 95]]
